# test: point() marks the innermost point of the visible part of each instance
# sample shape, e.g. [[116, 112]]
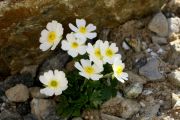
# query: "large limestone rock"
[[21, 22]]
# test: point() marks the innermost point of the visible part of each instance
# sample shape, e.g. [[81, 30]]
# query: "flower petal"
[[82, 50], [65, 45], [85, 62], [72, 27], [47, 91], [45, 46], [55, 44], [78, 66], [91, 35], [96, 77], [72, 53], [91, 27], [80, 22], [84, 75]]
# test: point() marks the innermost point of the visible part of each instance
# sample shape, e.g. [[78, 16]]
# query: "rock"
[[23, 108], [130, 108], [20, 35], [30, 69], [159, 40], [91, 115], [18, 93], [44, 109], [133, 90], [151, 70], [174, 78], [176, 45], [35, 93], [70, 66], [56, 61], [159, 25], [77, 118], [29, 117], [109, 117], [9, 115], [25, 79], [174, 54], [150, 112], [134, 78], [174, 25], [173, 5], [121, 107], [175, 98], [140, 62]]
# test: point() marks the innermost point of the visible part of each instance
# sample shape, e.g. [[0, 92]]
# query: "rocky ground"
[[151, 51]]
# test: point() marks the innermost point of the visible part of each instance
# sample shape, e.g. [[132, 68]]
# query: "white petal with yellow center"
[[51, 36], [94, 52], [73, 45], [54, 81], [118, 68], [82, 31], [109, 52], [89, 70]]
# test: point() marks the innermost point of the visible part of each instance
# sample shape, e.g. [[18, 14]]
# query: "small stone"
[[120, 107], [147, 92], [8, 115], [134, 78], [23, 108], [159, 40], [70, 66], [77, 118], [133, 90], [35, 93], [176, 45], [30, 117], [43, 108], [18, 93], [110, 117], [130, 107], [159, 25], [30, 69], [174, 25], [174, 78], [56, 61], [91, 115], [25, 79], [150, 112], [151, 70], [175, 98]]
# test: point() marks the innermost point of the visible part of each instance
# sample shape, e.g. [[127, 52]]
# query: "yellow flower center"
[[89, 70], [53, 84], [119, 70], [97, 53], [109, 52], [52, 37], [82, 30], [74, 44]]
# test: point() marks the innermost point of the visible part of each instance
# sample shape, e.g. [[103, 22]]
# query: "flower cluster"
[[76, 43]]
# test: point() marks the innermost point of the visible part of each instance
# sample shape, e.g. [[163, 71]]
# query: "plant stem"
[[108, 75], [85, 81]]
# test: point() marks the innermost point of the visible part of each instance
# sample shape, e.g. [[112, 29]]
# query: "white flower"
[[94, 52], [55, 82], [88, 70], [73, 45], [109, 52], [82, 31], [51, 36], [118, 68]]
